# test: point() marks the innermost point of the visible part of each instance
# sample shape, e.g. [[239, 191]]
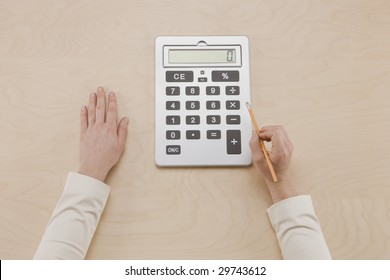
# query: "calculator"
[[201, 87]]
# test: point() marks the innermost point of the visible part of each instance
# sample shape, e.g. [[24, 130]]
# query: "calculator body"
[[201, 86]]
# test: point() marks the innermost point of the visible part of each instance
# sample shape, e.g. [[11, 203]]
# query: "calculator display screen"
[[181, 56]]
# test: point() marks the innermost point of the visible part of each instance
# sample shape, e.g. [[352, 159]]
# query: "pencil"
[[265, 152]]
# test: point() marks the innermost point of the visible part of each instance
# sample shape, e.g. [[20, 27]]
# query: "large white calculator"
[[201, 87]]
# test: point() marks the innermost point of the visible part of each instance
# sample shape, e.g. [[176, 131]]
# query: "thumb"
[[122, 131]]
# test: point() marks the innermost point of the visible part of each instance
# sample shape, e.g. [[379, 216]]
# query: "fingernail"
[[111, 94], [92, 95], [100, 88], [126, 120]]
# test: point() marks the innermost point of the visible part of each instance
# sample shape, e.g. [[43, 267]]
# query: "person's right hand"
[[280, 156]]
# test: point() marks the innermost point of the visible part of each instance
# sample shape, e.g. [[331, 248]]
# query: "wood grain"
[[320, 68]]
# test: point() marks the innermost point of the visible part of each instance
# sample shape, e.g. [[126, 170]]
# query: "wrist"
[[94, 173], [281, 190]]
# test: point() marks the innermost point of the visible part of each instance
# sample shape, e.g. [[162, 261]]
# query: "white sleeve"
[[74, 220], [298, 229]]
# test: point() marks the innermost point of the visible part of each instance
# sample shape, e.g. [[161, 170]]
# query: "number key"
[[172, 90], [173, 120], [173, 105], [193, 120], [173, 134], [192, 105], [212, 90], [214, 119], [192, 90], [213, 105]]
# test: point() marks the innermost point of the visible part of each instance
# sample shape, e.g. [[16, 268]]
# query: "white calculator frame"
[[202, 152]]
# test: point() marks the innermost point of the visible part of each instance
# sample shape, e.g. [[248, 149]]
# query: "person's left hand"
[[102, 139]]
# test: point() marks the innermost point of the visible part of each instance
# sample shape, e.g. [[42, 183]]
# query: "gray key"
[[179, 76], [193, 134], [233, 142], [172, 90], [173, 134], [232, 90], [213, 134], [173, 150], [233, 105], [225, 76], [172, 120], [233, 119]]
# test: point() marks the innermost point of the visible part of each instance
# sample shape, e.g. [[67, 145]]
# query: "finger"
[[122, 131], [101, 105], [92, 109], [254, 145], [112, 110], [83, 119]]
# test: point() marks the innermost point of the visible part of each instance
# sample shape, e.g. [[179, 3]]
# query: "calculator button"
[[172, 90], [173, 105], [232, 105], [173, 120], [192, 105], [212, 90], [225, 76], [173, 134], [202, 79], [213, 119], [179, 76], [193, 120], [193, 134], [232, 90], [213, 105], [233, 119], [213, 134], [192, 90], [173, 150], [233, 142]]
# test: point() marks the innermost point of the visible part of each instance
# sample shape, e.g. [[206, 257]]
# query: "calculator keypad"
[[233, 136]]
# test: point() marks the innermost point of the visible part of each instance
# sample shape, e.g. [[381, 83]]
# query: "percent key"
[[225, 76]]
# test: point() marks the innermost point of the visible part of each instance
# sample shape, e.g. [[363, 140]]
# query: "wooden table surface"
[[320, 68]]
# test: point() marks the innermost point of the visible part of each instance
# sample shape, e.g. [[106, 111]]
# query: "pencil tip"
[[248, 105]]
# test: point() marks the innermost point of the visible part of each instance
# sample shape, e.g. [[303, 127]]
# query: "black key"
[[173, 150], [202, 79], [215, 119], [225, 76], [173, 120], [233, 105], [233, 119], [213, 105], [232, 90], [192, 105], [233, 142], [179, 76], [192, 119], [212, 90], [192, 90], [193, 134], [173, 105], [172, 90], [173, 134], [213, 134]]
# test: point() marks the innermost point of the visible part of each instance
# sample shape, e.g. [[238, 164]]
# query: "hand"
[[280, 156], [102, 140]]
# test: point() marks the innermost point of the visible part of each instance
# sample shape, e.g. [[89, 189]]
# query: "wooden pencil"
[[265, 152]]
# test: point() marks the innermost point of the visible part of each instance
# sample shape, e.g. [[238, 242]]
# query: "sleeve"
[[74, 220], [298, 229]]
